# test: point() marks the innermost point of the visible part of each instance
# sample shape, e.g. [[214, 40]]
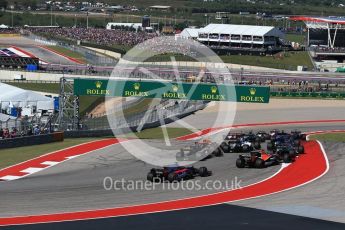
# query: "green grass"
[[68, 53], [97, 122], [336, 137], [296, 38], [88, 103], [41, 87], [289, 60], [13, 156], [16, 155], [138, 108]]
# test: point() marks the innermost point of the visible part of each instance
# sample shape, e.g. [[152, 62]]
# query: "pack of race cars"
[[281, 147]]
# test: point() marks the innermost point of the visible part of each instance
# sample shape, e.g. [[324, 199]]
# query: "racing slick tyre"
[[269, 146], [218, 152], [259, 163], [172, 177], [225, 147], [153, 171], [292, 154], [303, 137], [267, 137], [297, 142], [300, 149], [257, 145], [245, 148], [150, 177], [240, 163], [286, 158], [203, 172]]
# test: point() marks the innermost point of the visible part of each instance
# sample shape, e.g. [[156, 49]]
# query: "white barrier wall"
[[38, 76]]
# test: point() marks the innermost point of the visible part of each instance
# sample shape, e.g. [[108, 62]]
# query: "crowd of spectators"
[[165, 45], [97, 35], [9, 31], [328, 49], [6, 133]]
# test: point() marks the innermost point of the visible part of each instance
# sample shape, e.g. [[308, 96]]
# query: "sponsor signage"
[[171, 90]]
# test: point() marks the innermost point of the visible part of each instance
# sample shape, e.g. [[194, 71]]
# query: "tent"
[[15, 97], [5, 117], [2, 26]]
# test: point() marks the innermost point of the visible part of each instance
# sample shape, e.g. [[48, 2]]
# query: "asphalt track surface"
[[45, 55], [322, 199], [266, 113], [77, 184], [33, 48], [205, 218]]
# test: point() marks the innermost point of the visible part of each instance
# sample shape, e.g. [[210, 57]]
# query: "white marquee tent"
[[11, 96], [2, 26], [242, 30], [189, 33]]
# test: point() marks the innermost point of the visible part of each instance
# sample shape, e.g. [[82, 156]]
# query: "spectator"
[[36, 130], [97, 35]]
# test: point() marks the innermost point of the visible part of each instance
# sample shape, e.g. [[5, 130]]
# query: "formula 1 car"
[[257, 159], [261, 159], [242, 145], [199, 151], [286, 143], [236, 146], [295, 135], [233, 136], [298, 135], [176, 173], [263, 136]]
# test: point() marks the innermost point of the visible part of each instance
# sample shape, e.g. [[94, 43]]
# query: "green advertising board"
[[171, 90]]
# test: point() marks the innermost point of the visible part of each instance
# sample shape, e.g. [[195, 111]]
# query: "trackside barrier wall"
[[309, 95], [31, 140], [109, 132]]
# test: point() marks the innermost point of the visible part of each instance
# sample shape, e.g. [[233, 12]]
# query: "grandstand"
[[241, 39], [326, 40], [325, 35], [13, 57]]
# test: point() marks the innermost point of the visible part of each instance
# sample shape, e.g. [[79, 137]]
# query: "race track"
[[33, 48], [77, 184]]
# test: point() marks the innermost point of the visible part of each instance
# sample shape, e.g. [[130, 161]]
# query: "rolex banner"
[[171, 90]]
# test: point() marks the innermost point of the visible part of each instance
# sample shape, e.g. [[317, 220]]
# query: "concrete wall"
[[31, 140], [40, 76]]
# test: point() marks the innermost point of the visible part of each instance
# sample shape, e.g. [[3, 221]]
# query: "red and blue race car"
[[176, 173]]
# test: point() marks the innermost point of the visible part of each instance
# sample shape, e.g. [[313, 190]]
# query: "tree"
[[3, 4]]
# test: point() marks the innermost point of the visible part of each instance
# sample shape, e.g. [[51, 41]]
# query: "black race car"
[[242, 145], [199, 151], [176, 173], [263, 136], [287, 142], [262, 159], [257, 159], [233, 136]]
